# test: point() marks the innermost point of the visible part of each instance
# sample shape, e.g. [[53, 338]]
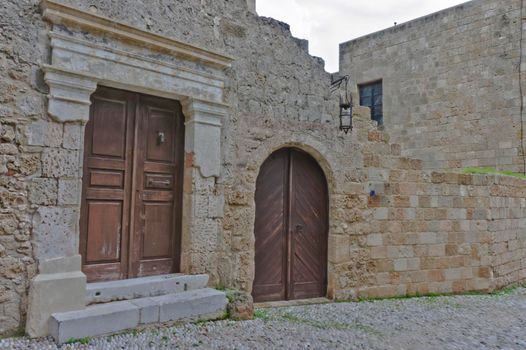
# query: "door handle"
[[161, 138]]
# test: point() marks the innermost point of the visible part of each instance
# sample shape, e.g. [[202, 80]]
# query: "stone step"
[[103, 319], [103, 292]]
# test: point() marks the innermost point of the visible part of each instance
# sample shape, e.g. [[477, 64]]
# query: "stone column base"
[[60, 286]]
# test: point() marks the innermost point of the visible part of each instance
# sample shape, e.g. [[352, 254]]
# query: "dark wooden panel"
[[270, 229], [109, 127], [308, 227], [106, 185], [160, 168], [94, 162], [157, 196], [158, 230], [106, 178], [158, 180], [104, 232]]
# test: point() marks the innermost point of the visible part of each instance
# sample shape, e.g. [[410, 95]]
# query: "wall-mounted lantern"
[[342, 86]]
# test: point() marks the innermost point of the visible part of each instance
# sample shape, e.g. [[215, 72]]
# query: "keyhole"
[[160, 138]]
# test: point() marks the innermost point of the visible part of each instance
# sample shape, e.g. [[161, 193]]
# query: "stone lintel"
[[69, 94], [203, 134], [58, 13]]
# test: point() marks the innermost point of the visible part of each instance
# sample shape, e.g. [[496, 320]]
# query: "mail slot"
[[159, 182]]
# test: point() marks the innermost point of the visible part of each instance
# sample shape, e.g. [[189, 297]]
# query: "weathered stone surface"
[[69, 191], [43, 192], [57, 162], [143, 287], [44, 300], [203, 304], [240, 305], [55, 232], [44, 133], [73, 136], [148, 310], [194, 305], [94, 320]]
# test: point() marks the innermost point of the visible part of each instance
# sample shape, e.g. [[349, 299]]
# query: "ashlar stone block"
[[57, 162], [69, 192], [55, 232]]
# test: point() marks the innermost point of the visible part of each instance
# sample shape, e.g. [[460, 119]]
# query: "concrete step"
[[103, 292], [117, 316]]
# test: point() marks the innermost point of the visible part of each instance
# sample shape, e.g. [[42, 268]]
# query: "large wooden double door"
[[291, 228], [132, 186]]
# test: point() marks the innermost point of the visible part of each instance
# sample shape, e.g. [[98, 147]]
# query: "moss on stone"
[[488, 170]]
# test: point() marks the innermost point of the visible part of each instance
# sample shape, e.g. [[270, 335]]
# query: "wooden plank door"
[[158, 187], [271, 229], [132, 186], [291, 228], [308, 227], [106, 185]]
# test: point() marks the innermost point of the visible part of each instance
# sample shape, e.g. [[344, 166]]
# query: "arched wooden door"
[[291, 228]]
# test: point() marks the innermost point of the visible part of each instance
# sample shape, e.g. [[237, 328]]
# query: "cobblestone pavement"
[[457, 322]]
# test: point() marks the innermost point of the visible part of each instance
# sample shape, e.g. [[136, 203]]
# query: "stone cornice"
[[58, 13]]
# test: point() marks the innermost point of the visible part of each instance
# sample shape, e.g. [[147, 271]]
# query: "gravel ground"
[[457, 322]]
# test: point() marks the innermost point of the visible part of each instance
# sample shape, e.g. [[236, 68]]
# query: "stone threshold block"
[[103, 292], [117, 316]]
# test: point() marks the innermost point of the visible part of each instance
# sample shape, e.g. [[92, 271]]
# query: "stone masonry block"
[[58, 162], [339, 249], [148, 309], [55, 232], [43, 192], [102, 292], [216, 206], [44, 133], [69, 192], [73, 136], [191, 305], [94, 320], [50, 293]]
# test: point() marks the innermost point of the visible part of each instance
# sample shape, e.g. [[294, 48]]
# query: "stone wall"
[[273, 81], [435, 232], [22, 185], [278, 96], [451, 84]]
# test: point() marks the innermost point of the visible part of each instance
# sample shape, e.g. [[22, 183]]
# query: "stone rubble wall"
[[451, 84]]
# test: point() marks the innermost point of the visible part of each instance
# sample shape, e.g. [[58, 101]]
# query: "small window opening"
[[371, 95]]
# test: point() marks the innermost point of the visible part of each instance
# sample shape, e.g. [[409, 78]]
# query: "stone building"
[[142, 139], [452, 84]]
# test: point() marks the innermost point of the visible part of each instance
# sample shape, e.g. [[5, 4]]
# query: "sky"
[[327, 23]]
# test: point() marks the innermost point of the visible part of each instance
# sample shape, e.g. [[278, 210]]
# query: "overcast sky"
[[327, 23]]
